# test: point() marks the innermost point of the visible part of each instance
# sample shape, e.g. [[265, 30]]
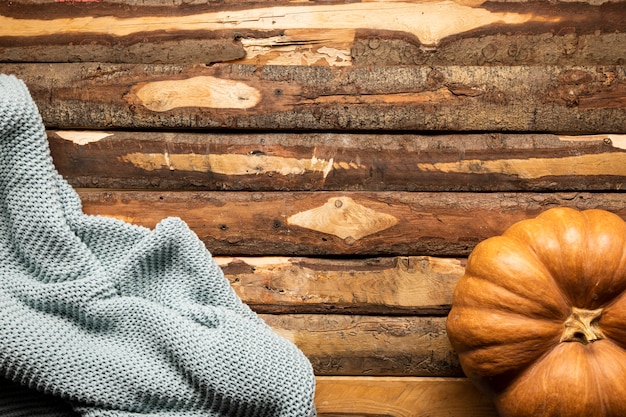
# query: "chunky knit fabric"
[[115, 319]]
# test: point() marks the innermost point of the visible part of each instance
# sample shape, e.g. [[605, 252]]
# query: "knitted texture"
[[116, 319]]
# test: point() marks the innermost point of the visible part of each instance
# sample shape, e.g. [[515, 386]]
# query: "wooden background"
[[340, 159]]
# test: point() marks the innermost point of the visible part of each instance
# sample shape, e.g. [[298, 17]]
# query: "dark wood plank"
[[331, 33], [335, 161], [330, 223], [455, 98]]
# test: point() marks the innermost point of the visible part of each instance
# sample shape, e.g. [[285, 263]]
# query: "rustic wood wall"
[[340, 159]]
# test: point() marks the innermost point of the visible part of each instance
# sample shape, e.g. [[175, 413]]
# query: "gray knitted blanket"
[[101, 318]]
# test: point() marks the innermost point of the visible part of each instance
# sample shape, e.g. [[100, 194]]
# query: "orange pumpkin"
[[539, 317]]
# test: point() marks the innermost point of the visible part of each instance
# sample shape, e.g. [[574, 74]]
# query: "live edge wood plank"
[[331, 33], [333, 223], [400, 397], [577, 99], [339, 161], [401, 285]]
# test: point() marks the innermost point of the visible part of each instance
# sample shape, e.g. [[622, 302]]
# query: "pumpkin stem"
[[582, 326]]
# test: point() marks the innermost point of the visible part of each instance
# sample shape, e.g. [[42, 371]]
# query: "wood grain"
[[370, 345], [330, 33], [258, 223], [400, 397], [388, 286], [452, 98], [339, 161]]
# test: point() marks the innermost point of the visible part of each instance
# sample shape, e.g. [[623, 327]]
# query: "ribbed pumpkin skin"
[[510, 308]]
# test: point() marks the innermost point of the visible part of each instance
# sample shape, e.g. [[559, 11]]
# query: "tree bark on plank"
[[334, 161], [331, 33], [454, 98], [333, 223]]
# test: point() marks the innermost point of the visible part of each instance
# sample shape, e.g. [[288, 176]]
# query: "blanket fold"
[[119, 320]]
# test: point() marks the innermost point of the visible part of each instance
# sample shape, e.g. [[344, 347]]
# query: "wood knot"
[[575, 77]]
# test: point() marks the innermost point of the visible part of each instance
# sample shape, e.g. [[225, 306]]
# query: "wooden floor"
[[340, 160]]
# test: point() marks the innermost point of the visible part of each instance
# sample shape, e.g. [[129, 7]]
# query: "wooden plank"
[[370, 345], [400, 397], [391, 286], [335, 161], [331, 223], [331, 33], [453, 98]]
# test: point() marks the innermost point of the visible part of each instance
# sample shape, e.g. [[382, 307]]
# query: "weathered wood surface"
[[335, 161], [384, 316], [400, 397], [331, 33], [250, 74], [405, 302], [370, 345], [331, 223], [581, 99], [404, 285]]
